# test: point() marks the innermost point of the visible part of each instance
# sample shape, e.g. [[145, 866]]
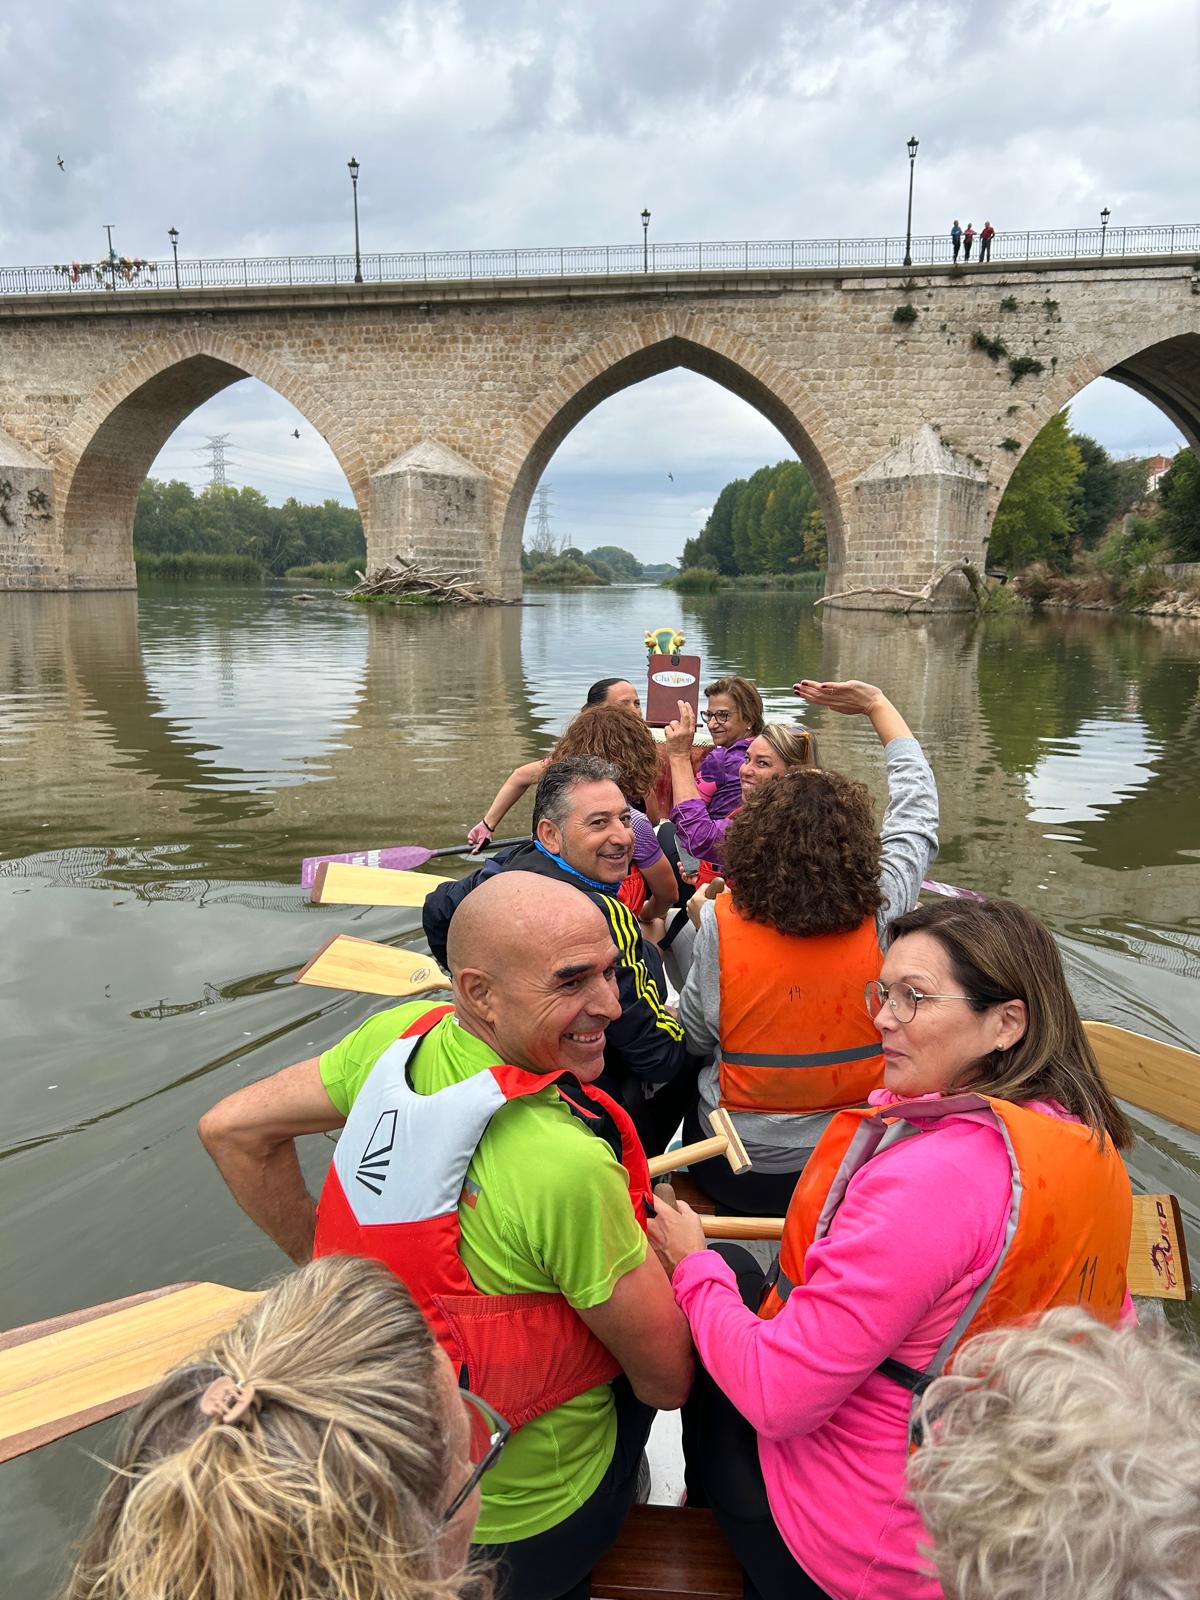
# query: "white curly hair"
[[1062, 1462]]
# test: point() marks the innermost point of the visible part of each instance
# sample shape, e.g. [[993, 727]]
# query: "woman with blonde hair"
[[321, 1449], [982, 1184], [1063, 1459]]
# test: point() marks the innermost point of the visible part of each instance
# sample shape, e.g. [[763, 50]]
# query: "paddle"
[[1157, 1077], [369, 968], [64, 1374], [338, 884], [396, 857]]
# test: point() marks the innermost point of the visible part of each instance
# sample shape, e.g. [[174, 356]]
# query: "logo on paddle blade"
[[673, 680]]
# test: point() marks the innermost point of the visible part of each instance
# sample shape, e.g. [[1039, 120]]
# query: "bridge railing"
[[589, 261]]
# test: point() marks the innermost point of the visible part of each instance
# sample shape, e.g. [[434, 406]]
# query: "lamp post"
[[645, 241], [112, 257], [353, 165], [1104, 216], [912, 162], [173, 235]]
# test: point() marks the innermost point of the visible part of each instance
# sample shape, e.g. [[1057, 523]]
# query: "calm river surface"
[[167, 759]]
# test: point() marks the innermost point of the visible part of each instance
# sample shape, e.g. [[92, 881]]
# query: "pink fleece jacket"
[[920, 1226]]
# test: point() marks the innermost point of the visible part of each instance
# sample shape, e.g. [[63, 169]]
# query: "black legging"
[[720, 1452], [557, 1564]]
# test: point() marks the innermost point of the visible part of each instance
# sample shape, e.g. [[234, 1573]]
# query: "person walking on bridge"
[[955, 240], [968, 240], [987, 234]]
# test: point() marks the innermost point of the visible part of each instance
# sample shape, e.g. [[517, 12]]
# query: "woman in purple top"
[[771, 752], [734, 717]]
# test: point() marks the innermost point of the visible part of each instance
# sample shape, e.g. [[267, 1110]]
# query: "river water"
[[166, 759]]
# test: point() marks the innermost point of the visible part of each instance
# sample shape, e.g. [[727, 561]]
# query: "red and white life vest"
[[1069, 1222], [393, 1193]]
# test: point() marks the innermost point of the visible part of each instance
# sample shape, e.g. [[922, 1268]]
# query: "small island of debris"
[[405, 583]]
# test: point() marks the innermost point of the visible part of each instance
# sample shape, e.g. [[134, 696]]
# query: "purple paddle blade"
[[399, 857], [932, 886]]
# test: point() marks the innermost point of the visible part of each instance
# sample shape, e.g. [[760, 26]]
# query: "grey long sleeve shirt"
[[781, 1143]]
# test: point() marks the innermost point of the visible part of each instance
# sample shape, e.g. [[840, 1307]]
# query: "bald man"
[[478, 1161]]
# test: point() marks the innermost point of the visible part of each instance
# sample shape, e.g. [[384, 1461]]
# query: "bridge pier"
[[431, 506], [923, 505], [27, 532]]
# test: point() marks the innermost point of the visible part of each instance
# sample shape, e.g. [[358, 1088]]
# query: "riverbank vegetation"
[[196, 566], [566, 566], [172, 519], [1078, 528], [327, 571], [768, 525]]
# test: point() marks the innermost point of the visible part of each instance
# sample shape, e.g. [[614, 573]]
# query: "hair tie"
[[228, 1401]]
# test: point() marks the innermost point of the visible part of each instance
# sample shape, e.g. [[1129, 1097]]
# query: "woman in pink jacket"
[[797, 1430]]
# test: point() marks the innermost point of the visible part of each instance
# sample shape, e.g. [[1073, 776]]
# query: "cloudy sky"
[[485, 123]]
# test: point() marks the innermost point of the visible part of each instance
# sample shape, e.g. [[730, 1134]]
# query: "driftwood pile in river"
[[404, 580]]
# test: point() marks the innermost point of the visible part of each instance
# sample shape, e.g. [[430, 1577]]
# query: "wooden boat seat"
[[668, 1553]]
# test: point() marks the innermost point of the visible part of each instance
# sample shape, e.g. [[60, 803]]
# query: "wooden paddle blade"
[[1162, 1078], [1158, 1259], [397, 857], [365, 967], [65, 1374], [337, 884]]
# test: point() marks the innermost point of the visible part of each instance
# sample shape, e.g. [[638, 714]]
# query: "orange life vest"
[[632, 892], [1069, 1224], [795, 1033], [393, 1192]]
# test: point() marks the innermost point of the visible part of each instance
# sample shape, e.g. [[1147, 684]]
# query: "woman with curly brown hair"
[[779, 963]]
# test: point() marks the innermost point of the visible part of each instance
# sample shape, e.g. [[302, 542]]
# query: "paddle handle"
[[742, 1227], [702, 1150]]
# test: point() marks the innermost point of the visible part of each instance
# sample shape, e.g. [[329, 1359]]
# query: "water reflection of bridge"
[[441, 710], [118, 752]]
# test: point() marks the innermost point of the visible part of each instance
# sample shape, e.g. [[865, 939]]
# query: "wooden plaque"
[[670, 679]]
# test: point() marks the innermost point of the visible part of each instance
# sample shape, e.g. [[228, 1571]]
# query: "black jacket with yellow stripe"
[[646, 1041]]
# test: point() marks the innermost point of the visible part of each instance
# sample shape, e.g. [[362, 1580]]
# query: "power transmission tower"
[[543, 537], [216, 450]]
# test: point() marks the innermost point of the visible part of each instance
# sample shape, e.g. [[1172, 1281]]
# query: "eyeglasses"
[[902, 998], [489, 1434], [719, 717]]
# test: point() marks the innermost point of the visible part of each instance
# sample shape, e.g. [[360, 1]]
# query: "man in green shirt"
[[545, 1206]]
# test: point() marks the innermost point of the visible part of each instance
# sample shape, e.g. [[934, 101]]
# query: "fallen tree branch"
[[963, 565], [403, 580]]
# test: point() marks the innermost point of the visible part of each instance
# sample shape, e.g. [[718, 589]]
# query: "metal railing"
[[592, 261]]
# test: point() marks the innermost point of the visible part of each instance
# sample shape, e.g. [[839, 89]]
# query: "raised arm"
[[678, 737], [251, 1135], [853, 698], [514, 787]]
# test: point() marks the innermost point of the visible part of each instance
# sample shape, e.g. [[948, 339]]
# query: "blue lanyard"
[[592, 883]]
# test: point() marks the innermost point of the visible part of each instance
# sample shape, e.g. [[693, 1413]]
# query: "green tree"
[[1179, 496], [623, 566], [1094, 503], [1033, 521]]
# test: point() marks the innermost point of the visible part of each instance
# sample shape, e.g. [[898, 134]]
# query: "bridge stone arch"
[[119, 428], [1161, 362], [644, 348]]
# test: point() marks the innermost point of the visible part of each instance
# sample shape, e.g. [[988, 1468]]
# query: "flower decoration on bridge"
[[128, 268]]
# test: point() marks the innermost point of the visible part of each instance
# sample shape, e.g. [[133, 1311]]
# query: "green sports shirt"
[[549, 1213]]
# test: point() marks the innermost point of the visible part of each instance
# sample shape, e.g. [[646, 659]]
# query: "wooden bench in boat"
[[668, 1553]]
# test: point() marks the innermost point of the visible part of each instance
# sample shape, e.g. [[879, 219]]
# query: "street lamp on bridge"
[[645, 241], [912, 162], [353, 165], [1104, 216], [173, 235]]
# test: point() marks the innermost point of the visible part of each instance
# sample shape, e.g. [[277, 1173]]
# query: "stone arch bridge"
[[443, 404]]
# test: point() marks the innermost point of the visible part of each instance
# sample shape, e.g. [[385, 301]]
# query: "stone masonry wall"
[[497, 374]]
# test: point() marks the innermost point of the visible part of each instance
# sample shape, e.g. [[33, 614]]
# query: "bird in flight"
[[295, 433], [671, 475], [62, 167]]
